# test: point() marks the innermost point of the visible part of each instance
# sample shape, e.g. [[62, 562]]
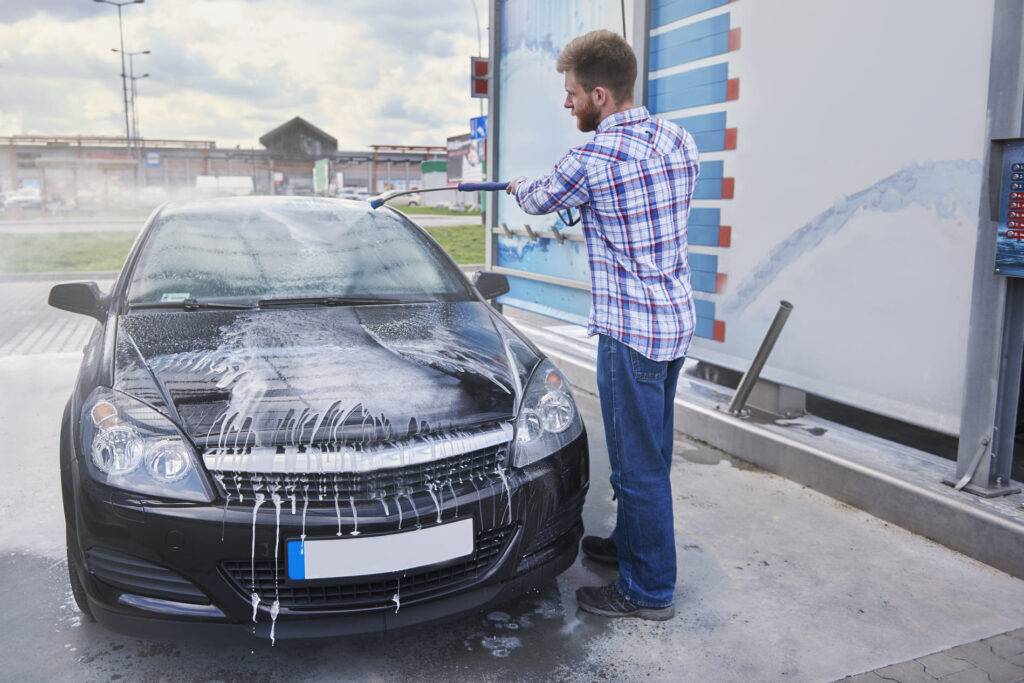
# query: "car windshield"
[[255, 250]]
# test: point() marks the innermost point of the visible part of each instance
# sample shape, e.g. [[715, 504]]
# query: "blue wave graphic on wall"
[[948, 188]]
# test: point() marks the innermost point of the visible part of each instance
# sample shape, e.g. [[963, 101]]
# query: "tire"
[[77, 589]]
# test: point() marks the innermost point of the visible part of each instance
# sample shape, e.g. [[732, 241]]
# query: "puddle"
[[710, 456]]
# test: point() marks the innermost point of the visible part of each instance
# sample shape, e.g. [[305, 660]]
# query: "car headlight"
[[548, 418], [128, 445]]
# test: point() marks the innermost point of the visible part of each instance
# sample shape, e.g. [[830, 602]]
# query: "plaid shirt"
[[632, 183]]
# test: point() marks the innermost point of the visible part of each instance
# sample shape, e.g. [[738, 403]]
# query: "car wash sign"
[[1010, 231]]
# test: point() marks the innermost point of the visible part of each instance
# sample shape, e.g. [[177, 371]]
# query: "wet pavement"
[[776, 582]]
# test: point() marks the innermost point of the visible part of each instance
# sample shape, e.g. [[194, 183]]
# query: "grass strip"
[[64, 252], [70, 252], [433, 211]]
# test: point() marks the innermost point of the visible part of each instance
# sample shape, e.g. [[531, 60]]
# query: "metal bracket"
[[558, 235], [1002, 488], [529, 231], [505, 229], [973, 467]]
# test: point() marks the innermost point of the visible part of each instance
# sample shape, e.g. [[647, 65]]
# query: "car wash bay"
[[775, 580]]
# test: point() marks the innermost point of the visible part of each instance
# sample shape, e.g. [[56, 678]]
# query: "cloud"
[[363, 70], [12, 10]]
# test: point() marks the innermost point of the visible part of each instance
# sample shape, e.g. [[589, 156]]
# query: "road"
[[776, 581], [49, 225]]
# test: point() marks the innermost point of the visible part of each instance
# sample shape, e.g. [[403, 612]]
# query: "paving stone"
[[866, 677], [1005, 646], [999, 670], [972, 675], [941, 664], [906, 672]]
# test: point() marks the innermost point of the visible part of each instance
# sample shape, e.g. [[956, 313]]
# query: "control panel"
[[1010, 236]]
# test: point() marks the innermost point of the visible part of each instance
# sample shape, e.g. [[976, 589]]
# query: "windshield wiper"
[[192, 304], [327, 301]]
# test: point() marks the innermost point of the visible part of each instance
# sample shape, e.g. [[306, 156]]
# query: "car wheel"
[[77, 589]]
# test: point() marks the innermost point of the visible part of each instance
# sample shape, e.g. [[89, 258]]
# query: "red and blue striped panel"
[[709, 131], [699, 87], [707, 326], [695, 88], [711, 184], [705, 229], [692, 42]]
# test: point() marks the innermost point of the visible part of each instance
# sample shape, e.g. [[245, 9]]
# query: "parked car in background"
[[297, 417], [356, 194], [25, 198]]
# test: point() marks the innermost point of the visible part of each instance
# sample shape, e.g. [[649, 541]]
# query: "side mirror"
[[490, 285], [79, 297]]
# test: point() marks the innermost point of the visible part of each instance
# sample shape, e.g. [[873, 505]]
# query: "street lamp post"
[[479, 44], [133, 93], [124, 75]]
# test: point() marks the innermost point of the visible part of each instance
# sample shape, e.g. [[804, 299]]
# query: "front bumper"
[[526, 535]]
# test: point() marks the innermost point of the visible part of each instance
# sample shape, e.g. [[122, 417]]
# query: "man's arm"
[[565, 188]]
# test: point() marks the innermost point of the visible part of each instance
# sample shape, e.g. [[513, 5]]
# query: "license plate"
[[329, 558]]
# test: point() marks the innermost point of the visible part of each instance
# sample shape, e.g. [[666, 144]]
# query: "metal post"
[[124, 86], [493, 128], [135, 115], [739, 400], [987, 382]]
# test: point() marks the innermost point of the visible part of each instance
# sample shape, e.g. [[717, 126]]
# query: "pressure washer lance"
[[378, 202]]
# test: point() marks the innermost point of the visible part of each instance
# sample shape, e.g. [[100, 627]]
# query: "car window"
[[286, 249]]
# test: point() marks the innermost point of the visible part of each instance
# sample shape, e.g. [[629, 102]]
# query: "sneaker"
[[607, 601], [600, 549]]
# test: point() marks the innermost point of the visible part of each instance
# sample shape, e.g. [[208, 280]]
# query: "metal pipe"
[[750, 377]]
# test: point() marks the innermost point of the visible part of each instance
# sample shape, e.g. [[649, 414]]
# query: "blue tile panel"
[[704, 272], [689, 43], [695, 88], [709, 184], [708, 130], [702, 227], [564, 303], [666, 11], [705, 319]]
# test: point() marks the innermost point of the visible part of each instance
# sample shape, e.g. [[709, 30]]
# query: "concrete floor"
[[776, 582]]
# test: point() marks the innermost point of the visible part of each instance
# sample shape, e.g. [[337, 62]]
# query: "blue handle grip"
[[481, 187]]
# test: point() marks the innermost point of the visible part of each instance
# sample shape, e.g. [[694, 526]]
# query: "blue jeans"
[[637, 406]]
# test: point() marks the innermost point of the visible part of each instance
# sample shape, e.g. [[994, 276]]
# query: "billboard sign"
[[478, 127], [465, 159], [321, 175]]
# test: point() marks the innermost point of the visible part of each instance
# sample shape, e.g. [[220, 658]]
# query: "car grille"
[[354, 594], [321, 489]]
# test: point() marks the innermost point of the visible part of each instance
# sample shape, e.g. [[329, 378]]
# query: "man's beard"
[[587, 119]]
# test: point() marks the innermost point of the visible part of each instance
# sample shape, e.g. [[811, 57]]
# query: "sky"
[[365, 71]]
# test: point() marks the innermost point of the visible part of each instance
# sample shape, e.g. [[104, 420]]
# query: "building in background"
[[98, 172]]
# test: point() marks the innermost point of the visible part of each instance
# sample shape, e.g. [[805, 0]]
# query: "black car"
[[298, 417]]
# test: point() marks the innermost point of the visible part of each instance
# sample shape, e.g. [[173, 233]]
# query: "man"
[[632, 183]]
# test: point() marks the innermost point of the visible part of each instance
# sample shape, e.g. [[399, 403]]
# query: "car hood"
[[292, 377]]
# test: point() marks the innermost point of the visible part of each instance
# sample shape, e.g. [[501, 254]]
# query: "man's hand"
[[514, 184]]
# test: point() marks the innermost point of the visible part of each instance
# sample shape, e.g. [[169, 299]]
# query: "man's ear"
[[600, 96]]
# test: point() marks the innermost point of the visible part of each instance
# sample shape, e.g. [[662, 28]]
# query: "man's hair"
[[601, 58]]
